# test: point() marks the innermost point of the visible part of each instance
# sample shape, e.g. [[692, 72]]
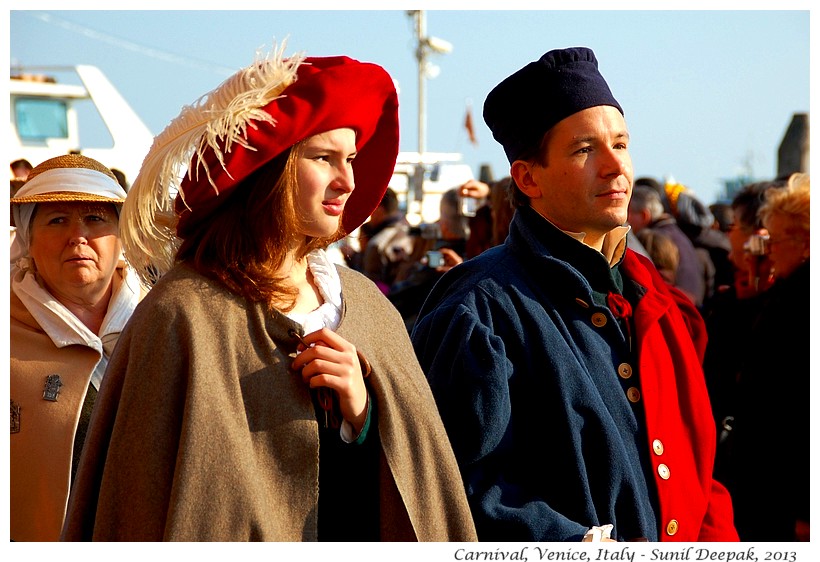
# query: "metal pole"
[[421, 55]]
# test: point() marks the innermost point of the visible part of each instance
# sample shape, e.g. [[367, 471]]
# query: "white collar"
[[326, 277], [64, 328]]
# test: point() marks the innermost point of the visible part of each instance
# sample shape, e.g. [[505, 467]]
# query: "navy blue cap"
[[531, 101]]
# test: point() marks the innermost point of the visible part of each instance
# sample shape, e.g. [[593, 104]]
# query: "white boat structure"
[[49, 117]]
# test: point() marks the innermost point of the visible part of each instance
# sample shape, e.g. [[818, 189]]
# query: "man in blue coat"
[[566, 371]]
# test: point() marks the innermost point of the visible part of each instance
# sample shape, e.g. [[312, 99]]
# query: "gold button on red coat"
[[672, 527], [657, 446], [663, 471], [624, 370], [633, 394], [599, 319]]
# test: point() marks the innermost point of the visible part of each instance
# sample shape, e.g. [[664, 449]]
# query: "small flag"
[[468, 124]]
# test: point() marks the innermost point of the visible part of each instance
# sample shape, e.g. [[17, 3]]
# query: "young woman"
[[261, 392]]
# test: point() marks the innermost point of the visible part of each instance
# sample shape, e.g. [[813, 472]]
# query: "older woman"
[[71, 295]]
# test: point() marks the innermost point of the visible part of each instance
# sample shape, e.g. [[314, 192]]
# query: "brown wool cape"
[[201, 432]]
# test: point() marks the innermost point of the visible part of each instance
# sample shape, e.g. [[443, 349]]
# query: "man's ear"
[[521, 172]]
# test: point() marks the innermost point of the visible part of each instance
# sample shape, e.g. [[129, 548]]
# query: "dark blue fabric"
[[528, 103], [546, 440]]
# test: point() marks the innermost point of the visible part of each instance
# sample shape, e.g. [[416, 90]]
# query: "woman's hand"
[[331, 361]]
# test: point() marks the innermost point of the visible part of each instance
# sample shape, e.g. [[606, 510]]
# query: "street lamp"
[[425, 46]]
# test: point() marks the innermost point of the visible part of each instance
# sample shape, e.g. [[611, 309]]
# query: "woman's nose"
[[345, 179], [78, 233]]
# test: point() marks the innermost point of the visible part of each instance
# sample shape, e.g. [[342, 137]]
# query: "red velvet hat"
[[329, 93], [247, 121]]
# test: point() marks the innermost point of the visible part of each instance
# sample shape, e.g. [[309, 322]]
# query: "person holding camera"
[[767, 460], [438, 247], [386, 242], [733, 310]]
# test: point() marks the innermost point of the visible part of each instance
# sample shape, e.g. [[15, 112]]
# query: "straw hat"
[[67, 178], [70, 177]]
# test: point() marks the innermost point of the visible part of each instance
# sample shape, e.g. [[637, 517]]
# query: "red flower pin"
[[619, 306]]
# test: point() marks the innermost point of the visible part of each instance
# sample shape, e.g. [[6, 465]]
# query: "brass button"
[[663, 471], [672, 527], [657, 446], [633, 394], [599, 319], [582, 302], [625, 370]]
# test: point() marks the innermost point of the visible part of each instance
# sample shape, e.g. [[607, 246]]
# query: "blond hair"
[[791, 201]]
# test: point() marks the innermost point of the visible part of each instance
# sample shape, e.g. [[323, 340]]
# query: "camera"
[[757, 245], [434, 259]]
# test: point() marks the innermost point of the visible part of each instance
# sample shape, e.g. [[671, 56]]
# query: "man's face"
[[587, 181]]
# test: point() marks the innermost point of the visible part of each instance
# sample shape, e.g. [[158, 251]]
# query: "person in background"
[[20, 169], [733, 310], [454, 228], [723, 216], [14, 187], [490, 225], [646, 211], [566, 370], [697, 222], [712, 245], [71, 295], [387, 242], [768, 459], [437, 248], [662, 252], [121, 179], [261, 392]]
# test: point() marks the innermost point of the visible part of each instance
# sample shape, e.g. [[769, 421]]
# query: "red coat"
[[693, 506]]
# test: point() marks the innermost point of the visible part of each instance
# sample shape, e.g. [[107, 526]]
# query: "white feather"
[[219, 118]]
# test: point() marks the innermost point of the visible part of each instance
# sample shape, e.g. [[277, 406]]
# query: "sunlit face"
[[587, 181], [75, 248], [788, 246], [325, 180]]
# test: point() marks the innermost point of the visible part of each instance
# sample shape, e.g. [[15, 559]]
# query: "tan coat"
[[202, 432], [42, 447], [41, 452]]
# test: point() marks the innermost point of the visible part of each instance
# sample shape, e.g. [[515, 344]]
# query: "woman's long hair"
[[248, 240]]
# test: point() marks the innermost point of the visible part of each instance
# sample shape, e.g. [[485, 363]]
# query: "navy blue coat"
[[540, 388]]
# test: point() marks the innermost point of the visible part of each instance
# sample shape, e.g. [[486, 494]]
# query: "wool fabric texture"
[[532, 100], [221, 443]]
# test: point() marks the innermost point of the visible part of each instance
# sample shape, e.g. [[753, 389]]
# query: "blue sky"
[[708, 95]]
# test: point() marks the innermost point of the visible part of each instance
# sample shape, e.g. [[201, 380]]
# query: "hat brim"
[[65, 197]]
